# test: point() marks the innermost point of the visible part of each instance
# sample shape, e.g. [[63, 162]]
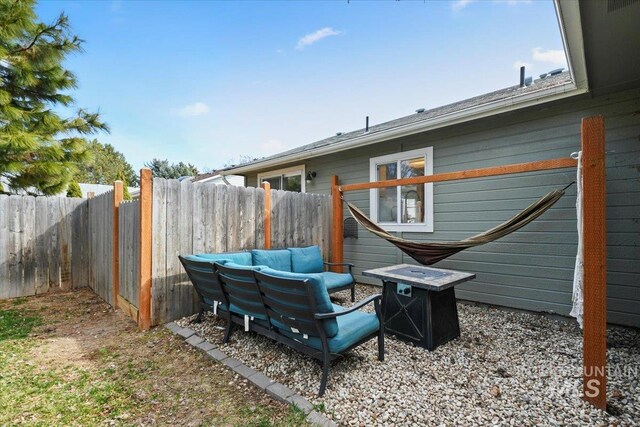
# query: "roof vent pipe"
[[522, 76], [366, 127]]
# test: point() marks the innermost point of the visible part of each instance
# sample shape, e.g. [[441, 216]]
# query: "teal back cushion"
[[319, 293], [241, 258], [306, 260], [278, 259]]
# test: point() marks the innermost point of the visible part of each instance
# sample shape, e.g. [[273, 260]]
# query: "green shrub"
[[73, 190]]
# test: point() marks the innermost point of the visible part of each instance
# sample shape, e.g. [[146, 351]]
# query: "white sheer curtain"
[[578, 274]]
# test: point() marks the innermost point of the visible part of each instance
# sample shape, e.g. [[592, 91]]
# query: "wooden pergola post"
[[118, 195], [146, 226], [337, 234], [594, 234], [266, 186]]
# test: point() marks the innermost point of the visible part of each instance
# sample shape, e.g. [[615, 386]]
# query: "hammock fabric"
[[428, 253]]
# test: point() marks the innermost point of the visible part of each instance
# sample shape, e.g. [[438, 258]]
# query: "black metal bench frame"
[[242, 288], [310, 323]]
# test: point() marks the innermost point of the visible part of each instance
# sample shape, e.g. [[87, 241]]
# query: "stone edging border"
[[274, 389]]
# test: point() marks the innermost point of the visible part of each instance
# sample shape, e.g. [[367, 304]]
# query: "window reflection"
[[401, 204], [387, 197]]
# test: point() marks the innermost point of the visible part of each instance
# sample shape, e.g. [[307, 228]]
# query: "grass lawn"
[[68, 359]]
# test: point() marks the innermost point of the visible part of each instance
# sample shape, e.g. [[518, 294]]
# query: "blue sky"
[[205, 82]]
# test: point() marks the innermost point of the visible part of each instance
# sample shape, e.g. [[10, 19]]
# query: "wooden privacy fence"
[[43, 245], [127, 252], [197, 217]]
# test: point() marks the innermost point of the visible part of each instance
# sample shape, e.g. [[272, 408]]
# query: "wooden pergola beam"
[[594, 235], [466, 174], [337, 234]]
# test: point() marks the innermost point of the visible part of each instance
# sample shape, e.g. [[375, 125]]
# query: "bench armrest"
[[375, 298], [348, 264], [338, 263]]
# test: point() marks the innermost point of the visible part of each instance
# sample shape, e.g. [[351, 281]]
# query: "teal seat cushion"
[[319, 293], [242, 258], [352, 328], [306, 260], [336, 280], [278, 259], [240, 295]]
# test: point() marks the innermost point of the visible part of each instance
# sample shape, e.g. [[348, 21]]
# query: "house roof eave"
[[570, 23], [500, 106]]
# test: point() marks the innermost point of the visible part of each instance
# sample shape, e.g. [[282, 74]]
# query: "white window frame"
[[291, 171], [427, 226]]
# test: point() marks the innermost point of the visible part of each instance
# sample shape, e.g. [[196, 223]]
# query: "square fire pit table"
[[419, 303]]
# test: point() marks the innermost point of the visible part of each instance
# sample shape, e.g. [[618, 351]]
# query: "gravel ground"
[[507, 368]]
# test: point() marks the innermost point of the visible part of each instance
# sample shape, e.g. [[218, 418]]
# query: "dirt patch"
[[150, 378]]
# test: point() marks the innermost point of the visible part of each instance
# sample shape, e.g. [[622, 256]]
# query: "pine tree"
[[125, 187], [73, 190], [107, 165], [125, 192], [40, 149], [164, 169]]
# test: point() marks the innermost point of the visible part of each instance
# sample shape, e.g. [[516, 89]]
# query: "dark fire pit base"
[[426, 318]]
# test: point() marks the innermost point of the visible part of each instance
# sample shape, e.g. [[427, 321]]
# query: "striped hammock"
[[428, 253]]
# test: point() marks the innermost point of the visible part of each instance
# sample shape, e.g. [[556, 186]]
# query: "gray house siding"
[[533, 268]]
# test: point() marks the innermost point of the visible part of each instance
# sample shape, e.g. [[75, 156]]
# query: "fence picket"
[[4, 246], [159, 260]]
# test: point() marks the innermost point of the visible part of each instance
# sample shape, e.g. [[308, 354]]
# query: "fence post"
[[267, 214], [594, 233], [118, 195], [146, 225], [90, 195], [337, 226]]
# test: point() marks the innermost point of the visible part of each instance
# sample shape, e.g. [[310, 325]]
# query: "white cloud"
[[460, 4], [316, 36], [553, 56], [193, 110], [519, 64]]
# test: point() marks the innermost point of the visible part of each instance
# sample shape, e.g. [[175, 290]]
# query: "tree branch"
[[44, 31]]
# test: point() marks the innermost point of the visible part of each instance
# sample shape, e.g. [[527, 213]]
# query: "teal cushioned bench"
[[307, 260], [300, 310]]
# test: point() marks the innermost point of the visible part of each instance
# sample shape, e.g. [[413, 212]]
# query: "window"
[[406, 207], [290, 179]]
